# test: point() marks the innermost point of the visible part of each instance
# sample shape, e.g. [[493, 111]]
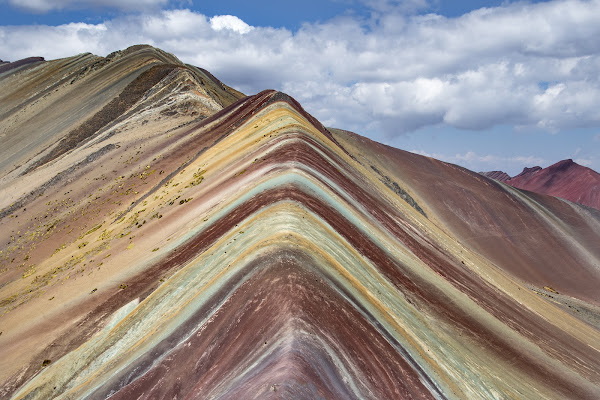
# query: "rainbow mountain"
[[165, 236]]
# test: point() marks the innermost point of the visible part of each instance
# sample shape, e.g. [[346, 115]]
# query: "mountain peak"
[[528, 171], [563, 165], [565, 179]]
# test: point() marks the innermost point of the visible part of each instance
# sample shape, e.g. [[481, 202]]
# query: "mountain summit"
[[565, 179], [165, 236]]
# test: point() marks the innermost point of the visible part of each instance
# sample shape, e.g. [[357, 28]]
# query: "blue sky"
[[484, 84]]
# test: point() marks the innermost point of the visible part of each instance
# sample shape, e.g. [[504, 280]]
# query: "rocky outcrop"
[[500, 176]]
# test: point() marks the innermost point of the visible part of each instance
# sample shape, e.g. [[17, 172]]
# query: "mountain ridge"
[[253, 252]]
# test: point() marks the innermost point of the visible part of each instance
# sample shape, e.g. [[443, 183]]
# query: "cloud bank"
[[488, 162], [526, 65]]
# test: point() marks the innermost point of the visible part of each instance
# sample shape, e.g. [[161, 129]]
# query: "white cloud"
[[487, 162], [584, 161], [527, 65], [77, 37], [43, 6], [472, 157], [230, 22]]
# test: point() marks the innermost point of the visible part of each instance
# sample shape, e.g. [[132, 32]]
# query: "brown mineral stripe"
[[283, 310]]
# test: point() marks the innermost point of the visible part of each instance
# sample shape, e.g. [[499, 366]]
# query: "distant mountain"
[[497, 175], [7, 65], [565, 179], [527, 171]]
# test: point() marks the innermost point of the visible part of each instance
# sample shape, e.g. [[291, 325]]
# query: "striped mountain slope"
[[164, 236]]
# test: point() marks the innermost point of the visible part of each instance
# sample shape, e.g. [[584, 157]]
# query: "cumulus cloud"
[[43, 6], [533, 66], [471, 159], [230, 22]]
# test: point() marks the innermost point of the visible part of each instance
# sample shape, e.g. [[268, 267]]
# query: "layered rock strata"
[[204, 244]]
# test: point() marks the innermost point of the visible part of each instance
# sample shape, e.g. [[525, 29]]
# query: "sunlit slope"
[[43, 104], [253, 253], [540, 239]]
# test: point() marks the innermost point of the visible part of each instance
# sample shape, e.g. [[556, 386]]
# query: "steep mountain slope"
[[184, 249], [565, 179]]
